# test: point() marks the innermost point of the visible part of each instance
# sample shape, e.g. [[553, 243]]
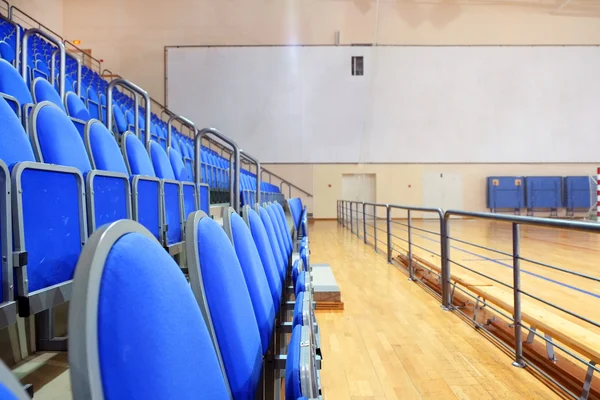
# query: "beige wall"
[[130, 35], [48, 12], [402, 183]]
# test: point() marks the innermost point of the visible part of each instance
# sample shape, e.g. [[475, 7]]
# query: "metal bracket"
[[20, 259], [280, 360], [549, 343], [587, 384], [286, 327]]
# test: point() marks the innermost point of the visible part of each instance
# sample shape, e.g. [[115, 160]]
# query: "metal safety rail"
[[361, 218]]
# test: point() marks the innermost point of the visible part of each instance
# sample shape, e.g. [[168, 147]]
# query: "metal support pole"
[[516, 238], [411, 274], [388, 213], [364, 210], [375, 226], [351, 220], [357, 224], [445, 251]]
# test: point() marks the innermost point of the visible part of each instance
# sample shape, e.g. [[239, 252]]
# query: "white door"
[[442, 190], [358, 187]]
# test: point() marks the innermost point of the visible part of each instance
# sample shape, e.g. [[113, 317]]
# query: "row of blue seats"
[[92, 104]]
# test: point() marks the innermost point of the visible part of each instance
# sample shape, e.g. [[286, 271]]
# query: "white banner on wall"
[[470, 104]]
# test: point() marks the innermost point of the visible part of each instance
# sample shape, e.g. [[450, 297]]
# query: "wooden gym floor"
[[393, 341]]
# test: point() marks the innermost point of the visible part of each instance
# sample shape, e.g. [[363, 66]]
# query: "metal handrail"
[[184, 121], [234, 164], [84, 54], [290, 184], [61, 48], [40, 25], [258, 169], [135, 89], [17, 35], [52, 69]]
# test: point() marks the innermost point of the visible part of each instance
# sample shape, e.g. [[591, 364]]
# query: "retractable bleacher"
[[104, 209]]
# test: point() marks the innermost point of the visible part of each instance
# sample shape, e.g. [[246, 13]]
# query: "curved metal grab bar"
[[61, 48], [257, 163], [184, 121], [135, 89], [234, 164], [52, 69]]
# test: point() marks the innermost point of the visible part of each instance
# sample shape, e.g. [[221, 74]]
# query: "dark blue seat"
[[57, 141], [136, 329], [145, 186], [190, 194], [265, 252], [172, 190], [254, 274], [220, 288], [49, 213]]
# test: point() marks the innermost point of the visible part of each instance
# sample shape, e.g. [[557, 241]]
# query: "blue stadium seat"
[[76, 108], [145, 186], [172, 191], [14, 90], [44, 91], [219, 286], [265, 252], [190, 194], [136, 329], [56, 141], [49, 223], [277, 254]]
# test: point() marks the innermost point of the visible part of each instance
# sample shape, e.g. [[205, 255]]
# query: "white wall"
[[415, 104]]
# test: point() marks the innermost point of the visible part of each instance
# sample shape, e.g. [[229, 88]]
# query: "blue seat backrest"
[[277, 228], [137, 158], [292, 366], [160, 161], [120, 121], [43, 91], [58, 139], [12, 83], [179, 169], [152, 339], [230, 308], [103, 148], [274, 213], [277, 254], [261, 240], [256, 279], [296, 209], [285, 228], [15, 143], [76, 108]]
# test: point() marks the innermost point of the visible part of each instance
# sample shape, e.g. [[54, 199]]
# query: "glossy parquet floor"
[[393, 341]]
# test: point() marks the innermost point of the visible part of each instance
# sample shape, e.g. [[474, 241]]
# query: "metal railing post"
[[445, 252], [388, 217], [375, 225], [61, 61], [516, 239], [357, 222], [351, 219], [411, 274], [364, 211]]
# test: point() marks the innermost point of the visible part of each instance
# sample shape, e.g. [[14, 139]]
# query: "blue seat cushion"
[[12, 83], [256, 280], [231, 309], [160, 161], [266, 220], [300, 283], [59, 140], [137, 157], [179, 169], [15, 143], [292, 366], [265, 252], [298, 309], [277, 229], [152, 339], [76, 107], [105, 150], [44, 91]]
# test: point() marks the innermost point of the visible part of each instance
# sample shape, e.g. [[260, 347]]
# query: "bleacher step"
[[327, 292]]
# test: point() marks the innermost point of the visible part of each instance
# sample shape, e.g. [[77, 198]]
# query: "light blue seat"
[[145, 186], [220, 288], [277, 228], [277, 254], [76, 108], [136, 329], [14, 89], [254, 274], [44, 91], [93, 102], [281, 225]]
